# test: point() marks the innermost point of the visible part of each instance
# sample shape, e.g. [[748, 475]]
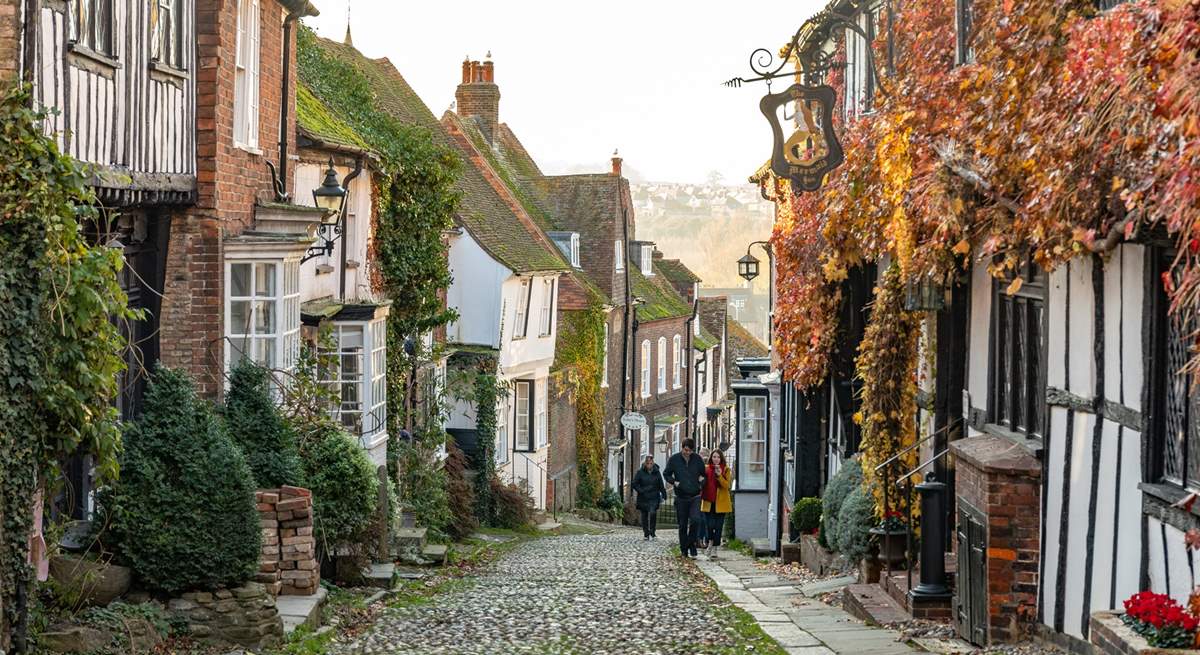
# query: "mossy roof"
[[318, 123], [660, 300], [743, 344], [481, 211], [675, 271], [705, 340]]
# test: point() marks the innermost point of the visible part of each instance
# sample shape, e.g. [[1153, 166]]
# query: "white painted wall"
[[475, 293], [533, 349], [314, 285], [977, 337]]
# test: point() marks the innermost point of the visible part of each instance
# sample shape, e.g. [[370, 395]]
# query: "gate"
[[972, 582]]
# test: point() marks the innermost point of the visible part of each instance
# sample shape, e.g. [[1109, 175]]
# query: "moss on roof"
[[675, 271], [742, 343], [705, 340], [318, 123], [481, 210], [659, 297]]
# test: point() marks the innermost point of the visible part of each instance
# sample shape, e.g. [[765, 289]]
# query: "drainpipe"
[[628, 331], [281, 191], [358, 166], [689, 427]]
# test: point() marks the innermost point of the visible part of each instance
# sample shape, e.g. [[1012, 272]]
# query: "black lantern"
[[330, 196], [748, 267]]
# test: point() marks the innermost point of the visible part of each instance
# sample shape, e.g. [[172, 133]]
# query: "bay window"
[[246, 76], [345, 377], [752, 449], [262, 309], [662, 364], [355, 373]]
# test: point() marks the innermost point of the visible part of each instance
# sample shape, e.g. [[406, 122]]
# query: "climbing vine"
[[415, 200], [60, 347], [579, 356]]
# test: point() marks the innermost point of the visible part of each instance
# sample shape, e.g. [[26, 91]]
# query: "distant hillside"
[[708, 226]]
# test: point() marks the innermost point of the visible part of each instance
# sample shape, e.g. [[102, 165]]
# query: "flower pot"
[[892, 544], [88, 581]]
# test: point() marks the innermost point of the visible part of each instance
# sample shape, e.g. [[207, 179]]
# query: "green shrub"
[[611, 503], [256, 425], [855, 520], [847, 479], [806, 515], [460, 492], [343, 482], [424, 484], [514, 507], [184, 502]]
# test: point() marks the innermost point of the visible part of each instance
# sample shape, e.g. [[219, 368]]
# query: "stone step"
[[380, 575], [301, 610], [762, 547], [409, 538], [548, 525], [872, 604], [436, 553]]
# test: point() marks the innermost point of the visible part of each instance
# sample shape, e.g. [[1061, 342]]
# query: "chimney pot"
[[466, 73], [616, 164], [489, 71]]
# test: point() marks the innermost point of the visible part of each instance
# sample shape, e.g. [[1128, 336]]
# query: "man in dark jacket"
[[685, 473], [648, 484]]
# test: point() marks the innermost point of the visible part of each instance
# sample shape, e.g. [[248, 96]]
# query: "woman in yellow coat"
[[714, 500]]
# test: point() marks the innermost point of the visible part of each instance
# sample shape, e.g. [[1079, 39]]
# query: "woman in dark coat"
[[648, 483]]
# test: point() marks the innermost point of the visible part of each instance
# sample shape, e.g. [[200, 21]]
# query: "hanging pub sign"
[[806, 147]]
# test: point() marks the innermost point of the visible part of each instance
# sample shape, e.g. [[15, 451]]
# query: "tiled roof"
[[481, 210], [713, 313], [660, 298], [705, 340], [316, 122], [742, 344], [675, 271]]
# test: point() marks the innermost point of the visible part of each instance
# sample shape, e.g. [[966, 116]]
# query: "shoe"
[[645, 538]]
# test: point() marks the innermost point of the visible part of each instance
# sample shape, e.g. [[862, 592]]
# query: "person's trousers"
[[716, 525], [702, 531], [687, 513], [649, 519]]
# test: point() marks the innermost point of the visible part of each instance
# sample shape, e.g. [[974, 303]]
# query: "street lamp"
[[748, 269], [331, 197]]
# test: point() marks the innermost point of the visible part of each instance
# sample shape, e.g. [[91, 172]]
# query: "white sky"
[[580, 79]]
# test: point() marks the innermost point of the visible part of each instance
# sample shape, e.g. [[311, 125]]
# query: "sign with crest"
[[806, 147]]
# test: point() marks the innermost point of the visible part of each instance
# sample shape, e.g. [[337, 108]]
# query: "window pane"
[[264, 317], [1176, 402], [239, 280], [264, 351], [264, 279], [239, 317], [239, 347]]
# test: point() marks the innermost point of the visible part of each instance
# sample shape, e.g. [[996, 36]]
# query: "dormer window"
[[575, 250], [647, 258]]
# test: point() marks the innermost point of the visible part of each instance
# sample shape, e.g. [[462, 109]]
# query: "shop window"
[[752, 451]]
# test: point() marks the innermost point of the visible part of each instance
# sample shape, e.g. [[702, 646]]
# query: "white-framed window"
[[166, 43], [647, 260], [523, 398], [677, 359], [695, 327], [246, 76], [377, 420], [619, 255], [644, 439], [521, 324], [92, 25], [540, 423], [662, 364], [502, 419], [575, 250], [547, 317], [676, 438], [604, 358], [262, 309], [345, 376], [702, 373], [752, 451], [645, 368]]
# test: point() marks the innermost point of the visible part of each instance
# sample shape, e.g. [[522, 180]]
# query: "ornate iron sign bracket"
[[812, 150]]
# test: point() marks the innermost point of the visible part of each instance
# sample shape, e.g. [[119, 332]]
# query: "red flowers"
[[1159, 611]]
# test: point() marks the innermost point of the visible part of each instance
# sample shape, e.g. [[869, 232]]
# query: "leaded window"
[[166, 43], [1177, 428], [92, 25], [1018, 398]]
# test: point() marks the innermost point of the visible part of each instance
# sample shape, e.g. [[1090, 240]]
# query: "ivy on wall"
[[60, 347], [579, 354]]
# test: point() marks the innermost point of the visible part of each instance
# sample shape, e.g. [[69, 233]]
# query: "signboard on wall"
[[810, 148]]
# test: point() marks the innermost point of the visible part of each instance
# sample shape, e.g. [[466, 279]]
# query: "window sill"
[[1158, 500], [254, 150], [1034, 446], [88, 59], [158, 68]]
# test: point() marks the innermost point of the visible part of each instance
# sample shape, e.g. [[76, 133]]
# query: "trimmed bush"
[[611, 504], [184, 502], [514, 507], [256, 425], [424, 484], [343, 482], [806, 515], [460, 492], [855, 520], [847, 479]]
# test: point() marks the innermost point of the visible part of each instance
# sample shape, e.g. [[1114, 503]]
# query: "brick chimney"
[[616, 164], [478, 96]]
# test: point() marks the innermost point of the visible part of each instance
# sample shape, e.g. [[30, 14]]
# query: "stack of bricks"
[[288, 565]]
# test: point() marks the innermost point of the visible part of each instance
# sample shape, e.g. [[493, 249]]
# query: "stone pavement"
[[802, 625], [597, 594]]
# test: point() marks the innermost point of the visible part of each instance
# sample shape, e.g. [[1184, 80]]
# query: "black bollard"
[[933, 536]]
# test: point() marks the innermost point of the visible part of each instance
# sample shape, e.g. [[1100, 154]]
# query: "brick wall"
[[563, 447], [673, 402], [479, 97], [230, 180], [10, 39], [1002, 480], [288, 565]]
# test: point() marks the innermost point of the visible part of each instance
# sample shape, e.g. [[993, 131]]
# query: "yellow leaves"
[[1015, 285], [962, 248]]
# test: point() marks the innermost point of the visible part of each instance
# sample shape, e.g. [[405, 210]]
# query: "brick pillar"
[[288, 566], [268, 566], [998, 482], [10, 40]]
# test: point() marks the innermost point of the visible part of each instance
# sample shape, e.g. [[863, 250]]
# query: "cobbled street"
[[608, 593]]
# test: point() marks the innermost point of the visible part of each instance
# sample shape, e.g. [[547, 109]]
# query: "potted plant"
[[1163, 622], [892, 535]]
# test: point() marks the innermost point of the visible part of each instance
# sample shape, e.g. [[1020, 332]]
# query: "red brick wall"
[[1003, 482], [673, 402], [563, 447], [10, 39], [230, 180]]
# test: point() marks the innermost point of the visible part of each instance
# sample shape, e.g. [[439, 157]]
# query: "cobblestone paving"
[[603, 594]]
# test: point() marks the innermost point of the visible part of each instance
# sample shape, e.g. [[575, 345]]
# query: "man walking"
[[685, 473]]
